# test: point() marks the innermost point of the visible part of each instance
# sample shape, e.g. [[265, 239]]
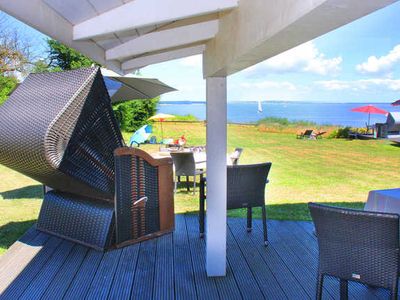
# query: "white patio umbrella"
[[129, 87]]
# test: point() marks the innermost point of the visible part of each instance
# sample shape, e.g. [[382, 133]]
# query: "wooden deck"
[[40, 266]]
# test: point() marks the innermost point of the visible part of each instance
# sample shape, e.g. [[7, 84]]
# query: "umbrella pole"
[[162, 133]]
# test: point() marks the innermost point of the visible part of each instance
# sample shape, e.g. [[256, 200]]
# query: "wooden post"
[[216, 176]]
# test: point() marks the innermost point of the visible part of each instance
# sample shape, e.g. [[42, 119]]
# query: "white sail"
[[260, 109]]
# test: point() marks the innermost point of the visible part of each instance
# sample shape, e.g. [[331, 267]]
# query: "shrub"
[[340, 133], [185, 118], [133, 114], [284, 122]]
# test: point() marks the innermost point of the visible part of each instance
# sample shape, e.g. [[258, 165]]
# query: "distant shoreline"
[[269, 101]]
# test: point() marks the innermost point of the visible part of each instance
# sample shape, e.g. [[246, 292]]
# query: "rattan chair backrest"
[[246, 185], [357, 245]]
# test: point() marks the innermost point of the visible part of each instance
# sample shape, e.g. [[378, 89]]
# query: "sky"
[[359, 62]]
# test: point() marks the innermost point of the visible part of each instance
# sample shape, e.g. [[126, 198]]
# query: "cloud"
[[303, 58], [383, 64], [362, 84], [269, 85]]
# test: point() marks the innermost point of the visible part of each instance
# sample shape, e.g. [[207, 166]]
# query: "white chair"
[[185, 165]]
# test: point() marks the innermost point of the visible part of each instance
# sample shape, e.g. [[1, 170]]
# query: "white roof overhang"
[[124, 35]]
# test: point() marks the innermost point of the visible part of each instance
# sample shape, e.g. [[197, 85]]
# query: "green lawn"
[[338, 172]]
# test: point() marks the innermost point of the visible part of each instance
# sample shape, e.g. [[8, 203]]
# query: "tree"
[[7, 85], [14, 57], [62, 57]]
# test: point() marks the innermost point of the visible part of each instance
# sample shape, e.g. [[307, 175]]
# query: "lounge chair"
[[59, 129], [358, 246], [319, 134], [246, 189], [185, 165], [308, 134]]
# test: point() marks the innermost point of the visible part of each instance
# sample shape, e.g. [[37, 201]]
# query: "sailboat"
[[260, 109]]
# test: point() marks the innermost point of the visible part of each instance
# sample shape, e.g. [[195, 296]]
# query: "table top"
[[384, 201]]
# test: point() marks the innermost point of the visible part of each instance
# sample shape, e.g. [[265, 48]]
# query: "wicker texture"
[[58, 128], [246, 189], [135, 179], [357, 245], [78, 219]]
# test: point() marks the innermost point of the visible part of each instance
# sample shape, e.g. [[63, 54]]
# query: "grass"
[[335, 171]]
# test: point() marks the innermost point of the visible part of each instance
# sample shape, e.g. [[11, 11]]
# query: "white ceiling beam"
[[140, 62], [141, 13], [164, 39], [260, 29], [38, 15]]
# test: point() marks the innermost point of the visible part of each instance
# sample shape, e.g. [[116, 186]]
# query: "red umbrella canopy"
[[396, 103], [370, 109]]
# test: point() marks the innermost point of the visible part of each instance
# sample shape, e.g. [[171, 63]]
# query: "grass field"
[[334, 171]]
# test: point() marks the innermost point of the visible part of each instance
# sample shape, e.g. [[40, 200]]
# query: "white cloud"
[[303, 58], [383, 64], [269, 85], [363, 84], [195, 61]]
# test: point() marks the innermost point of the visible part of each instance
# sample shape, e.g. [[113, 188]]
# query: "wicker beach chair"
[[357, 245], [59, 129], [246, 189]]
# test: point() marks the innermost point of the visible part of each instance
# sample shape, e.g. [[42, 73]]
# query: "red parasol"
[[369, 109], [396, 103]]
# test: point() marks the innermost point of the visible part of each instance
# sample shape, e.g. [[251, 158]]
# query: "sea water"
[[318, 112]]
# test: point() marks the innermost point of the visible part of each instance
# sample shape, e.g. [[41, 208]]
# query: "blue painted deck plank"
[[125, 274], [164, 269], [244, 277], [23, 280], [288, 238], [15, 249], [206, 287], [83, 278], [144, 279], [39, 284], [101, 283], [184, 274], [64, 277], [290, 285], [267, 282]]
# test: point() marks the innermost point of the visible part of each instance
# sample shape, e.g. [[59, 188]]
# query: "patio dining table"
[[384, 201], [200, 157]]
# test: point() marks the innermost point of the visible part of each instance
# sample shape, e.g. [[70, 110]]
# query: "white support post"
[[216, 176]]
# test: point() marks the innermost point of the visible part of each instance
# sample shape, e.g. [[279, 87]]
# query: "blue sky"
[[359, 62]]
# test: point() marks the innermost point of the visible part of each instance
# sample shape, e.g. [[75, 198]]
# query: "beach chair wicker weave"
[[59, 129], [358, 246], [144, 195]]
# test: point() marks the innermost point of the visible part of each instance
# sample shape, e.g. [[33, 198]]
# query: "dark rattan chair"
[[357, 245], [246, 189]]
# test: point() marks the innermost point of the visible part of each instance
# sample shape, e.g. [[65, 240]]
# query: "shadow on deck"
[[39, 266]]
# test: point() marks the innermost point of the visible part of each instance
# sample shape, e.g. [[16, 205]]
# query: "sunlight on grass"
[[338, 172]]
